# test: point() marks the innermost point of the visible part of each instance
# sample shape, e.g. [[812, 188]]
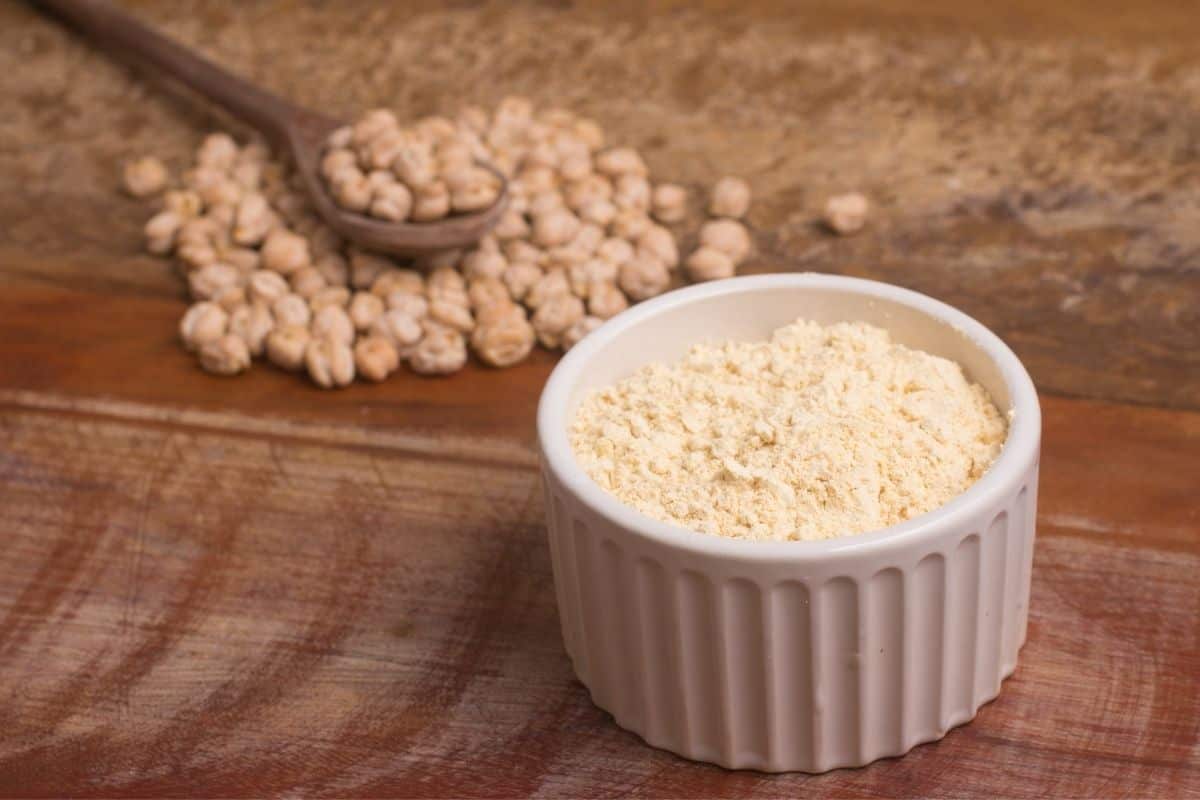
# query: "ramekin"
[[783, 656]]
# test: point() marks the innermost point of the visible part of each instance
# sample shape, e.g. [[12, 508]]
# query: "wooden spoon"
[[300, 131]]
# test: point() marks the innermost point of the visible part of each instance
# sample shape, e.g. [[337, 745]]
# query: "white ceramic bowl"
[[791, 655]]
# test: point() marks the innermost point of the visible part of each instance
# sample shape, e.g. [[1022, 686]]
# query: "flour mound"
[[820, 432]]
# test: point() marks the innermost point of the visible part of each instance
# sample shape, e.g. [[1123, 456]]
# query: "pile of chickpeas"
[[584, 235]]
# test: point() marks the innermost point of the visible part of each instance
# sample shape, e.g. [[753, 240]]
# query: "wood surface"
[[251, 587]]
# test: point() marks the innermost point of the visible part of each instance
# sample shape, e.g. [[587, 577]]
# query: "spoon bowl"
[[301, 132]]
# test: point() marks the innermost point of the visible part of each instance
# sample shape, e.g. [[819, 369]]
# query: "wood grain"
[[252, 587], [200, 610], [1035, 166]]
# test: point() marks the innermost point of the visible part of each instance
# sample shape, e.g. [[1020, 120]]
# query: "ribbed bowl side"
[[765, 666]]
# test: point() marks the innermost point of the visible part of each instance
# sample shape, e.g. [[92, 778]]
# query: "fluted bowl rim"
[[1018, 454]]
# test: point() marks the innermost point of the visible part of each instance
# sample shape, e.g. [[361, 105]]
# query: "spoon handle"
[[109, 26]]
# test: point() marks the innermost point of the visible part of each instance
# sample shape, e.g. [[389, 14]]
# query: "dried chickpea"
[[605, 300], [512, 225], [580, 329], [247, 175], [414, 168], [576, 166], [544, 203], [594, 187], [227, 355], [441, 351], [160, 232], [383, 149], [563, 258], [621, 161], [448, 296], [520, 277], [727, 235], [588, 238], [414, 305], [730, 198], [615, 251], [457, 156], [464, 177], [398, 327], [183, 202], [341, 138], [200, 176], [332, 322], [393, 202], [203, 322], [254, 219], [199, 230], [224, 192], [432, 202], [503, 337], [643, 276], [669, 202], [520, 250], [206, 282], [535, 180], [406, 281], [252, 323], [846, 213], [231, 298], [352, 190], [290, 309], [145, 176], [599, 211], [629, 223], [582, 275], [217, 151], [285, 252], [375, 357], [286, 345], [475, 197], [555, 316], [485, 291], [333, 268], [709, 264], [436, 128], [266, 287], [483, 264], [307, 281], [543, 155], [658, 242], [244, 258], [555, 228], [372, 124], [223, 216], [365, 308], [632, 191], [446, 278], [330, 362], [195, 255], [549, 285], [451, 313]]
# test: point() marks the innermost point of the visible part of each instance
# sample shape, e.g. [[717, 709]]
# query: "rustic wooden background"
[[250, 587]]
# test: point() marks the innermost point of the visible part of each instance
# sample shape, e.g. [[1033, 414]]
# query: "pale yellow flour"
[[817, 433]]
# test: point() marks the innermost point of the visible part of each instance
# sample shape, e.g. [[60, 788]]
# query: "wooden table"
[[250, 587]]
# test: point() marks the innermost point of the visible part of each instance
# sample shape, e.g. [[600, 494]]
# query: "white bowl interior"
[[753, 314]]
